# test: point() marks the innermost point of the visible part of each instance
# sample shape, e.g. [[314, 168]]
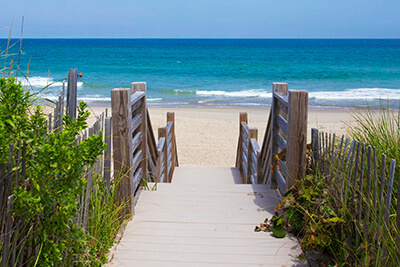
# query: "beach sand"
[[208, 136]]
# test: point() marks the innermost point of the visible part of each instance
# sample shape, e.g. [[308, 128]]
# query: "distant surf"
[[218, 72]]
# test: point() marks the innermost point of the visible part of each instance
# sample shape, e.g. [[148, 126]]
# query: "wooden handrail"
[[281, 158], [248, 151], [167, 151]]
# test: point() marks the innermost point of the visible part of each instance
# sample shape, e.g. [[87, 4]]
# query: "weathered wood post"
[[314, 148], [142, 87], [280, 88], [72, 93], [171, 118], [162, 133], [122, 147], [107, 154], [297, 137], [242, 118], [253, 134]]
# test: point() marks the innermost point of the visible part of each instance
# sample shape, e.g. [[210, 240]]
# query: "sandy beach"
[[208, 136]]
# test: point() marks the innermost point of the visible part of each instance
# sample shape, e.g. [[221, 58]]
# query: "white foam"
[[348, 94], [40, 82], [260, 93], [358, 94]]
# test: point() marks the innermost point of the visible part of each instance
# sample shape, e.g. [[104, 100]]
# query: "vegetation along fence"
[[368, 191], [18, 242], [282, 156]]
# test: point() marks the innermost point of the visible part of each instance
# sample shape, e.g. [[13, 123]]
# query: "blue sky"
[[202, 19]]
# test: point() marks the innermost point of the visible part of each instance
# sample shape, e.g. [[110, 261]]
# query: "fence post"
[[122, 144], [171, 118], [141, 87], [162, 133], [72, 93], [280, 88], [297, 137], [242, 118], [107, 154], [314, 148], [253, 133]]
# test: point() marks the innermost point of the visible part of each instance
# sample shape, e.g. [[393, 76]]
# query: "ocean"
[[217, 72]]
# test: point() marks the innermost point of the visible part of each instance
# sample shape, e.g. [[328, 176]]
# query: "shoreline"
[[208, 136]]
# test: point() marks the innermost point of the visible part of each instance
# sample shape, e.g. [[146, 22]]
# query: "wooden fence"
[[15, 250], [371, 195], [282, 156], [167, 158], [136, 154], [248, 151]]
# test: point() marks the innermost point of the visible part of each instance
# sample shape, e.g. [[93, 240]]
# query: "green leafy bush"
[[56, 183]]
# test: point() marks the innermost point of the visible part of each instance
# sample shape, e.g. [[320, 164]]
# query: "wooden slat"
[[169, 128], [382, 184], [389, 193], [282, 123], [255, 146], [137, 178], [244, 169], [283, 99], [254, 158], [282, 168], [107, 154], [137, 97], [151, 139], [136, 121], [160, 144], [244, 140], [398, 210], [245, 129], [281, 181], [242, 118], [151, 163], [137, 159], [281, 142], [136, 141], [72, 93], [244, 148], [7, 232]]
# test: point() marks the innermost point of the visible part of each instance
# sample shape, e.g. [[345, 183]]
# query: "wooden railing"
[[129, 121], [167, 151], [283, 153], [289, 136], [137, 156], [248, 151]]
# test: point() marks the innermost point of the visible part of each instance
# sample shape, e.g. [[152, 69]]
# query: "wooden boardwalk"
[[205, 217]]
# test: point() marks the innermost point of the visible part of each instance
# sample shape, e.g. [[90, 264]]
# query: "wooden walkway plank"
[[203, 218]]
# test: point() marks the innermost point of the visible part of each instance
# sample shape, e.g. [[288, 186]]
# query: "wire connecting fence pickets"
[[367, 193], [17, 238], [248, 151]]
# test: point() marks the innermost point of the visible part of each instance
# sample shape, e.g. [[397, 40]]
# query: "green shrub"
[[56, 183]]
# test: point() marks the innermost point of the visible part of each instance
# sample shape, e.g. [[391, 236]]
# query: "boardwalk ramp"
[[205, 217]]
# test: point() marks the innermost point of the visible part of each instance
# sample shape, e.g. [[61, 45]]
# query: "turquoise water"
[[220, 72]]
